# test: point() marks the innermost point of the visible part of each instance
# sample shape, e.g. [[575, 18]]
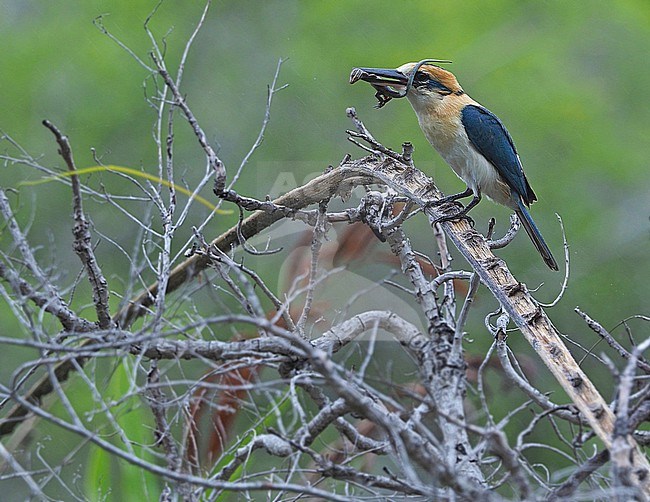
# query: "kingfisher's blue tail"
[[535, 236]]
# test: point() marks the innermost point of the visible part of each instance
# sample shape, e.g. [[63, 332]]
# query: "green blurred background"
[[569, 79]]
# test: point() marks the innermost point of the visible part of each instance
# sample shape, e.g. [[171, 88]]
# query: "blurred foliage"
[[104, 477], [569, 79]]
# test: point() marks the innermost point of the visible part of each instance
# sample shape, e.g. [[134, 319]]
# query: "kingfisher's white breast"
[[447, 135]]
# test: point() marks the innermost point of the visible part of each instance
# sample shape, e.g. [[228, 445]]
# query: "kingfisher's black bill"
[[389, 84]]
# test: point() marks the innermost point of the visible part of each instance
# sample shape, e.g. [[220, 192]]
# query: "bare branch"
[[623, 445], [569, 487], [82, 238]]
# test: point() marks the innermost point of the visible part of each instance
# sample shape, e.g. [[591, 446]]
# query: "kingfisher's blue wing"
[[492, 140]]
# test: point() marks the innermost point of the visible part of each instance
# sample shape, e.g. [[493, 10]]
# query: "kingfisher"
[[468, 136]]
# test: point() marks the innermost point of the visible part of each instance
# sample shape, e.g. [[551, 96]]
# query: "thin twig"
[[611, 341], [320, 231], [44, 295], [509, 235], [213, 160], [566, 490], [565, 281], [467, 304], [270, 92]]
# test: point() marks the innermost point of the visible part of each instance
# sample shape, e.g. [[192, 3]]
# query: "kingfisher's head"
[[424, 84]]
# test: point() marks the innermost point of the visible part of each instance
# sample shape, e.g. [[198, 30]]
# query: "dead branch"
[[82, 238], [442, 363]]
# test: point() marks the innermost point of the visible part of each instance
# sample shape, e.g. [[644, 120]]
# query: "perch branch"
[[516, 300]]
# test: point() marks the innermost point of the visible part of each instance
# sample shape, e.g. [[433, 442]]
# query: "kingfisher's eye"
[[421, 77]]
